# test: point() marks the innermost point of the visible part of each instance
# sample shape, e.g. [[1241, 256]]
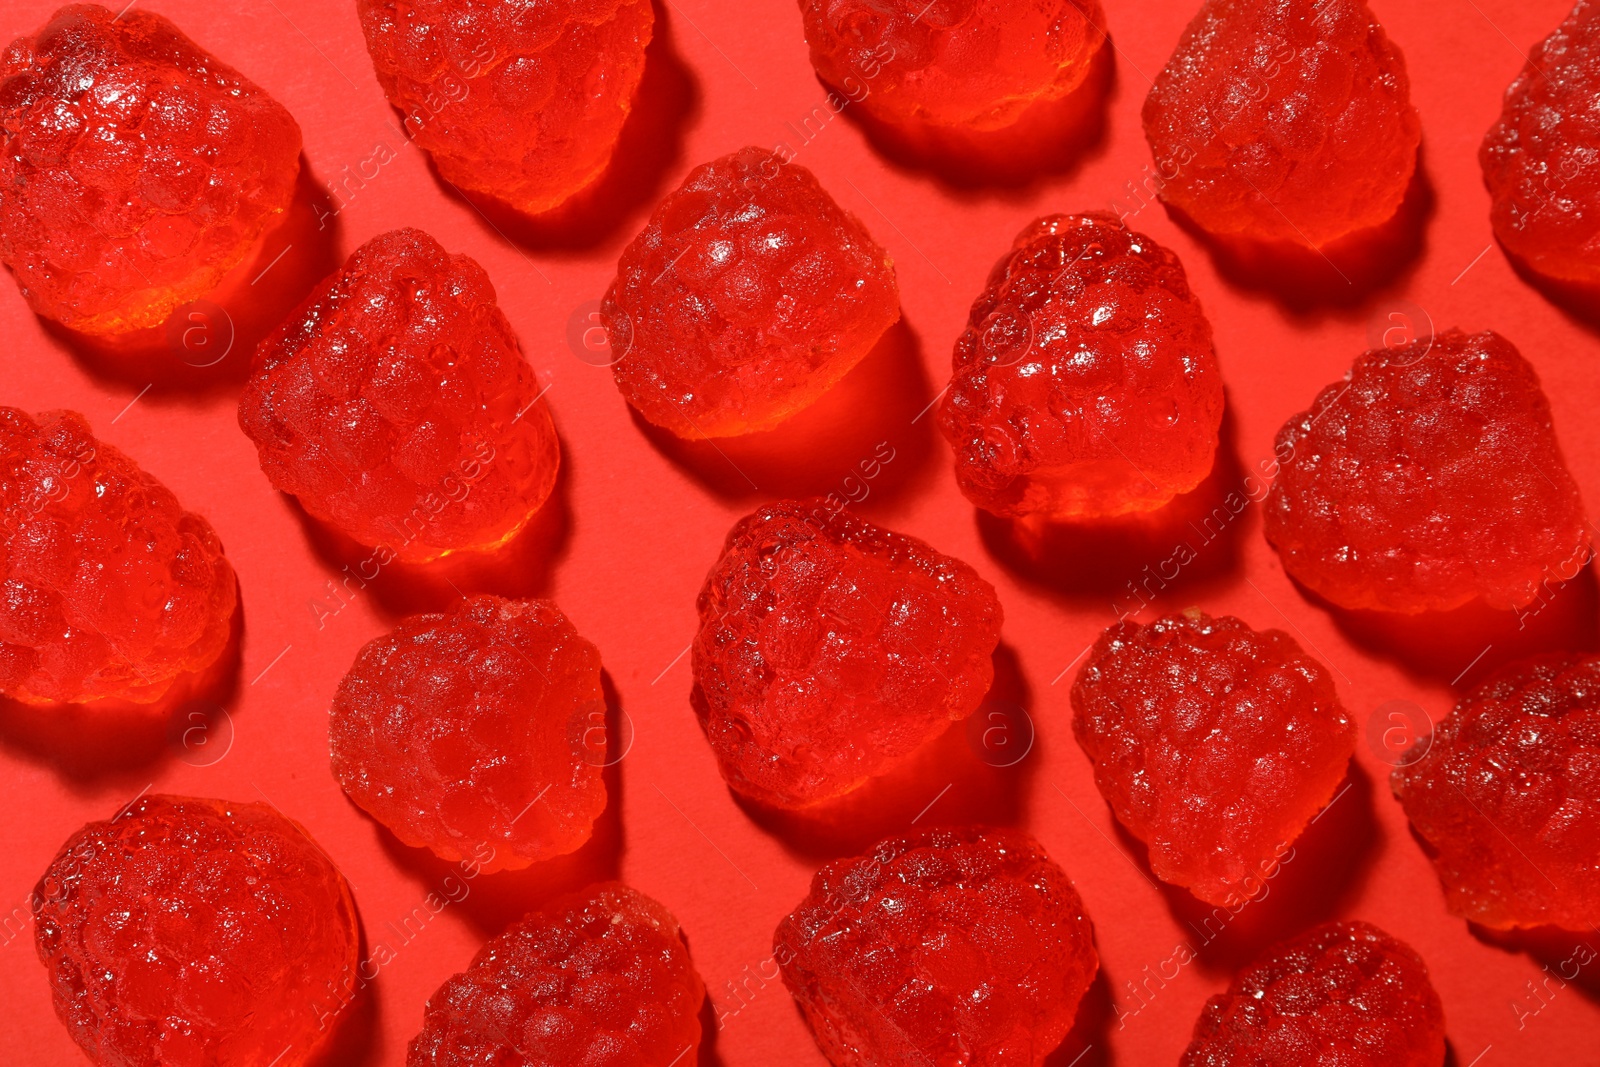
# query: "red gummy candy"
[[466, 733], [1085, 384], [964, 946], [195, 931], [830, 649], [745, 298], [395, 404], [1284, 121], [1507, 795], [1538, 160], [112, 590], [136, 169], [523, 102], [952, 64], [600, 978], [1212, 743], [1343, 993], [1428, 478]]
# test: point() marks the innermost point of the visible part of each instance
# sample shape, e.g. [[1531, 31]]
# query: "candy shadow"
[[355, 1040], [205, 350], [495, 901], [869, 438], [648, 149], [707, 1055], [1464, 646], [1339, 276], [116, 741], [1568, 958], [1088, 1043], [1576, 300], [952, 780], [1191, 544]]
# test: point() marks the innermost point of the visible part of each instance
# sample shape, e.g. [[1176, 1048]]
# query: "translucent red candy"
[[1538, 160], [1507, 795], [965, 946], [957, 64], [830, 649], [1284, 121], [395, 404], [1428, 478], [748, 294], [524, 102], [468, 732], [1212, 743], [111, 589], [193, 931], [1342, 993], [1085, 384], [597, 979], [136, 168]]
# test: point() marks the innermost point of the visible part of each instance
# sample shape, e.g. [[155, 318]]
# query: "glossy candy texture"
[[1539, 158], [523, 102], [395, 404], [192, 931], [600, 978], [1212, 743], [1085, 384], [747, 296], [1284, 121], [466, 732], [1343, 993], [952, 64], [1428, 478], [112, 590], [136, 169], [1507, 795], [829, 649], [964, 946]]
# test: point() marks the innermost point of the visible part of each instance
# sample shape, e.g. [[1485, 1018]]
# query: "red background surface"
[[637, 520]]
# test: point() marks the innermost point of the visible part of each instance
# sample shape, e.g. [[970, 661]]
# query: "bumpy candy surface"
[[1284, 121], [748, 294], [960, 64], [1343, 994], [830, 649], [395, 404], [1539, 159], [111, 589], [1428, 478], [1213, 743], [192, 931], [1085, 384], [599, 979], [136, 169], [965, 946], [467, 732], [522, 101], [1507, 795]]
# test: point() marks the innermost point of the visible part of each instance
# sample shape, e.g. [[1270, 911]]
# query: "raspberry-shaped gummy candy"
[[1428, 478], [600, 978], [194, 931], [952, 64], [1342, 993], [395, 404], [1284, 121], [1507, 795], [964, 946], [1539, 159], [521, 101], [466, 732], [1085, 384], [136, 169], [830, 649], [748, 294], [1213, 743], [112, 590]]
